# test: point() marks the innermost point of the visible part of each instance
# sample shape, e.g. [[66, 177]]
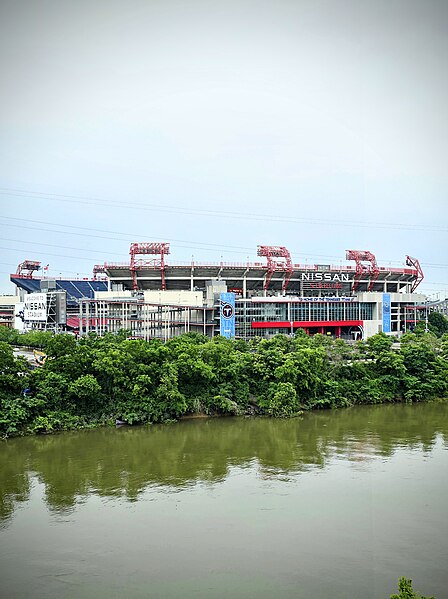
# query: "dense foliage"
[[37, 339], [98, 379], [406, 591]]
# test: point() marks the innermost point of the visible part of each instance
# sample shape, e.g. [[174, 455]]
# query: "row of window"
[[303, 312]]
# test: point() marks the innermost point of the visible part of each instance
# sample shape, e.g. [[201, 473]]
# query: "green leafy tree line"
[[98, 379]]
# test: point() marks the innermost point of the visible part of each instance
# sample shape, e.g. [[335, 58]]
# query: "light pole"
[[426, 315]]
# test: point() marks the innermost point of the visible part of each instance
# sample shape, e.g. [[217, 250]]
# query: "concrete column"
[[87, 317]]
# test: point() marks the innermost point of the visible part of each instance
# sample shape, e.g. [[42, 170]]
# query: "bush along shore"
[[96, 380]]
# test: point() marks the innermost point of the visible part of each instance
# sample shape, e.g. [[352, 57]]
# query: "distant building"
[[9, 308], [440, 306]]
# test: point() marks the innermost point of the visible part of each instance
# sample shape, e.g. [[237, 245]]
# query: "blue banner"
[[386, 312], [227, 315]]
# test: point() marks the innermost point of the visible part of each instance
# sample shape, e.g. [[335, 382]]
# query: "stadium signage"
[[325, 276], [386, 313], [325, 285], [227, 315], [333, 300], [35, 307], [305, 300]]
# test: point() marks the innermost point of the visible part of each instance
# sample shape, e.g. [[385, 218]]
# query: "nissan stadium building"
[[154, 297]]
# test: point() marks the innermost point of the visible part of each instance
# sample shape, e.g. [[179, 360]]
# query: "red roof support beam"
[[26, 268], [371, 270], [275, 251], [159, 249], [419, 276]]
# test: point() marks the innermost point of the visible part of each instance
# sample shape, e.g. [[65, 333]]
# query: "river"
[[332, 505]]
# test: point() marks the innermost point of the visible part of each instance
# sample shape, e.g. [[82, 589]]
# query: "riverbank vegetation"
[[99, 379]]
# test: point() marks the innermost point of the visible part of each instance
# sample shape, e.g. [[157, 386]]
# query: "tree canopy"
[[96, 380]]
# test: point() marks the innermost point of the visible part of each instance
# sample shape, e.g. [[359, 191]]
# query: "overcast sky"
[[320, 125]]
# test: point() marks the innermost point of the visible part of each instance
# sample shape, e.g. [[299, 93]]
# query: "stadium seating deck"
[[76, 290]]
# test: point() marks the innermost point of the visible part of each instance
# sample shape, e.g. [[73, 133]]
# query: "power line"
[[53, 245], [131, 237], [192, 245], [46, 254], [213, 213], [77, 272]]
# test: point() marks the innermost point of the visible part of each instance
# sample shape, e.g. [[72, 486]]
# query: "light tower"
[[158, 249], [371, 270], [27, 268], [275, 251], [98, 268]]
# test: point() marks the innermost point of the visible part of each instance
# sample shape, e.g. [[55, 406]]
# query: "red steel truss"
[[160, 249], [370, 270], [26, 268], [98, 268], [286, 266], [414, 263]]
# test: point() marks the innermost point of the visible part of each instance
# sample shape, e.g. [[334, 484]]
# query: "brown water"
[[335, 505]]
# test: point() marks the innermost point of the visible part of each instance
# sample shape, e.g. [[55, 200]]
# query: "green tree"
[[390, 373], [379, 343], [172, 401], [61, 345], [16, 407], [305, 370], [425, 372], [12, 370], [406, 591], [97, 379], [37, 339], [85, 387], [439, 323], [280, 400], [8, 335], [51, 388]]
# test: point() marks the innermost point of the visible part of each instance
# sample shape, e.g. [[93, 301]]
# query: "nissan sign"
[[35, 307]]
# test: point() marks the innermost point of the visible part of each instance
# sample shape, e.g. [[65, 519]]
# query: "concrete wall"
[[213, 290], [175, 298], [168, 298], [9, 300], [407, 298], [371, 327], [108, 295]]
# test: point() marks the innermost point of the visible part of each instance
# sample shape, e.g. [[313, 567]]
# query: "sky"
[[319, 125]]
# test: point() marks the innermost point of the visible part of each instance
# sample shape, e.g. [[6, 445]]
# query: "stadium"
[[157, 298]]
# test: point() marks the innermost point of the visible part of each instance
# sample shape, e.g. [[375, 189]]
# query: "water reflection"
[[124, 462]]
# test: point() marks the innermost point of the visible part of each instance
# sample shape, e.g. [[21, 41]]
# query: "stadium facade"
[[156, 298]]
